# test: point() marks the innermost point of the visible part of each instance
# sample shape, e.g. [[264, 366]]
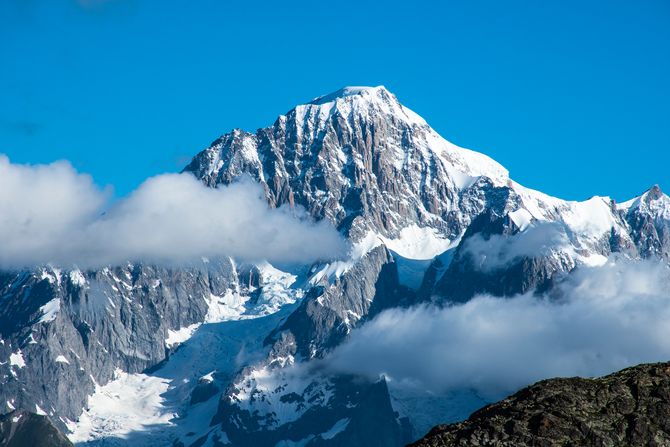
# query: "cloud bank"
[[53, 214], [601, 320]]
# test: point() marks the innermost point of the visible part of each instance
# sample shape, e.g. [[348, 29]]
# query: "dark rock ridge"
[[627, 408], [24, 429]]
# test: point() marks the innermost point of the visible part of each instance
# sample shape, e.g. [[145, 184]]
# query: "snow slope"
[[153, 409]]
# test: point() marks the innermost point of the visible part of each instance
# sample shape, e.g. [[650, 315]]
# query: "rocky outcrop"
[[469, 273], [649, 219], [628, 408], [24, 429], [329, 311]]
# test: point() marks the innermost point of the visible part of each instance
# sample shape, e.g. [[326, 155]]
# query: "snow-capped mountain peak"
[[348, 157], [653, 202], [349, 91], [362, 101]]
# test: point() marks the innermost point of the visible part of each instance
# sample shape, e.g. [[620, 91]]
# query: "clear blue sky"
[[573, 97]]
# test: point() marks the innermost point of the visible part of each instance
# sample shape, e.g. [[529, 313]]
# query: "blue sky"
[[572, 97]]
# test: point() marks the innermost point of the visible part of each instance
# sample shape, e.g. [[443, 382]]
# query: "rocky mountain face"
[[630, 407], [269, 401], [361, 160], [648, 219], [357, 158], [74, 330], [329, 311], [223, 353], [24, 429]]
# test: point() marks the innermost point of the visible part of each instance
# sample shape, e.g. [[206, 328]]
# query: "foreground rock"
[[630, 407], [24, 429]]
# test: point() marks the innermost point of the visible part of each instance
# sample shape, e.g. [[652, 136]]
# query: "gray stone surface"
[[117, 318], [628, 408]]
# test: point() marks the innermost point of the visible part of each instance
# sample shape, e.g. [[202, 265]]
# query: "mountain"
[[74, 329], [379, 172], [348, 157], [630, 407], [222, 352], [648, 217]]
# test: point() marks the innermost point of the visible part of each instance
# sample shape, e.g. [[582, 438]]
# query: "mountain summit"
[[347, 157], [380, 91]]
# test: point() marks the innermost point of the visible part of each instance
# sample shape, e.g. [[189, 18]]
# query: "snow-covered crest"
[[369, 101], [356, 157], [653, 201]]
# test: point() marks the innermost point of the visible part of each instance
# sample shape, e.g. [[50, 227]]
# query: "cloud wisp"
[[605, 318], [498, 251], [53, 214]]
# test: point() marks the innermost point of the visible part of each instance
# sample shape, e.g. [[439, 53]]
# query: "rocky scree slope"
[[627, 408]]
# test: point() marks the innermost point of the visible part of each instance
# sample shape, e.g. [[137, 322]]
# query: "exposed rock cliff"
[[628, 408]]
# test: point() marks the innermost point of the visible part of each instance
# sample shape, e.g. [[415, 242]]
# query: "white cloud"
[[41, 204], [598, 321], [52, 214]]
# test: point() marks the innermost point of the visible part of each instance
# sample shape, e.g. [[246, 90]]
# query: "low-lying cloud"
[[602, 319], [53, 214], [498, 251]]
